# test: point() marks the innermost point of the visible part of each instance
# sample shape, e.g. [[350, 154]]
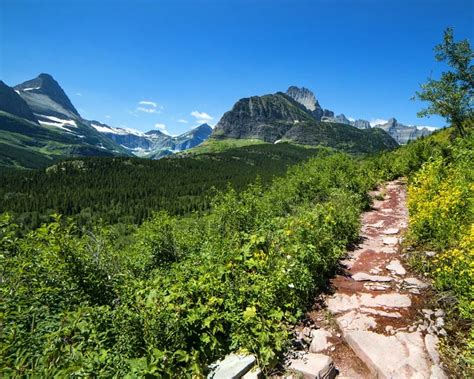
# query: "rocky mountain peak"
[[45, 84], [303, 96]]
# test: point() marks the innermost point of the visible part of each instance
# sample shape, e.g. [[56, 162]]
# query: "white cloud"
[[201, 117], [108, 116], [147, 110], [162, 128], [351, 119], [78, 94], [377, 121], [183, 121], [148, 106], [150, 103]]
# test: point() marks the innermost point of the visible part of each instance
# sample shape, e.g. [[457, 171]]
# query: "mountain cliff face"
[[306, 98], [279, 117], [12, 103], [266, 117]]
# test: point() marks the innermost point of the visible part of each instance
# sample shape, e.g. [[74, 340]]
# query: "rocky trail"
[[375, 323]]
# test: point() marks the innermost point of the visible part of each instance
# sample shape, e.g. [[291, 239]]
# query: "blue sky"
[[195, 59]]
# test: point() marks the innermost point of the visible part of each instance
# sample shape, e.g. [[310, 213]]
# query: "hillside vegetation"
[[129, 190], [185, 291]]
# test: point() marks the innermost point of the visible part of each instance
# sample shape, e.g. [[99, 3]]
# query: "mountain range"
[[40, 125], [399, 132]]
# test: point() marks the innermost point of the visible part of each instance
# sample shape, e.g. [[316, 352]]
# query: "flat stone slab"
[[342, 303], [377, 225], [391, 231], [319, 341], [390, 240], [415, 283], [232, 366], [379, 312], [364, 277], [398, 356], [356, 321], [376, 286], [396, 267], [388, 250], [389, 300], [314, 366]]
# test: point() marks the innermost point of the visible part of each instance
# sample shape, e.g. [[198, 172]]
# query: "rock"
[[390, 240], [363, 277], [396, 267], [377, 225], [431, 343], [356, 321], [388, 250], [437, 372], [427, 312], [319, 341], [380, 313], [414, 282], [306, 331], [314, 366], [389, 329], [254, 373], [232, 366], [430, 254], [391, 300], [391, 231], [439, 322], [439, 313], [398, 356], [376, 286], [341, 302], [375, 271]]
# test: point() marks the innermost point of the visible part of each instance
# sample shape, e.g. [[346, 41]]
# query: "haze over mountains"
[[39, 125]]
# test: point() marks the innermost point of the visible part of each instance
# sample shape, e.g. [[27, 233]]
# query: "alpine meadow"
[[220, 221]]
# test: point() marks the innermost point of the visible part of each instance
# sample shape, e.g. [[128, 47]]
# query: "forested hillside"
[[129, 190], [184, 292]]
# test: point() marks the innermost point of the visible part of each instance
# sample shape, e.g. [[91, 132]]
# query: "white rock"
[[431, 343], [439, 313], [396, 267], [390, 240], [391, 231], [430, 254], [254, 373], [376, 286], [399, 356], [356, 321], [364, 277], [314, 366], [388, 250], [414, 282], [377, 225], [378, 312], [390, 300], [341, 303], [319, 340], [232, 366]]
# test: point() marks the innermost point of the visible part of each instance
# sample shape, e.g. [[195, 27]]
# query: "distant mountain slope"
[[12, 102], [154, 143], [279, 117], [39, 124], [399, 132]]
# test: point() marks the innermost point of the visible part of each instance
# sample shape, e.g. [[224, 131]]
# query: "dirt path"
[[375, 324]]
